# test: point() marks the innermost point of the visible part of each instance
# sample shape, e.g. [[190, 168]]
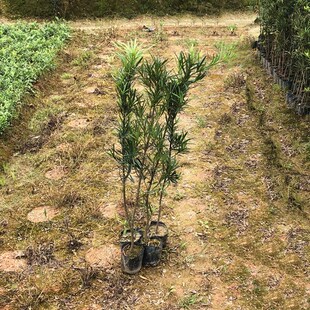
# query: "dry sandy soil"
[[238, 219]]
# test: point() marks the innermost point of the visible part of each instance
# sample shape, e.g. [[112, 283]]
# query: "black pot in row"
[[143, 253], [292, 100]]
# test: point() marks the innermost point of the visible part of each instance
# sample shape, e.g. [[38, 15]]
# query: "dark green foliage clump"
[[285, 42], [127, 8]]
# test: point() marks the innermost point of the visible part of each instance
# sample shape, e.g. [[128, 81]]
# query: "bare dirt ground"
[[241, 20], [238, 219]]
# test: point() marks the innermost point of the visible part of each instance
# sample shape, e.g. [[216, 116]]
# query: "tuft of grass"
[[201, 121], [67, 76], [83, 59], [235, 81], [232, 29], [191, 43], [188, 301], [306, 150], [87, 274]]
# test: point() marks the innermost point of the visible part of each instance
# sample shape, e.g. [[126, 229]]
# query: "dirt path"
[[238, 220], [240, 20]]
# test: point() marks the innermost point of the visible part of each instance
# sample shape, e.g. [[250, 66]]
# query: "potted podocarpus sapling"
[[168, 91], [191, 68], [154, 77], [149, 140], [125, 153]]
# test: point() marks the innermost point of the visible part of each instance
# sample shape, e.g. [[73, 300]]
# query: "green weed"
[[232, 29], [191, 43], [66, 76], [201, 121], [83, 59], [188, 301]]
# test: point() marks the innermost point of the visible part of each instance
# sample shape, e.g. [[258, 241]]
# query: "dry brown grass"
[[238, 220]]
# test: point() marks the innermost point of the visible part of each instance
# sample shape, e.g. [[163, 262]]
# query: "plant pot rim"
[[128, 245], [138, 234], [152, 239]]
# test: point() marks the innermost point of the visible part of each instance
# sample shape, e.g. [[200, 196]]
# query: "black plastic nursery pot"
[[263, 60], [280, 82], [302, 110], [125, 237], [161, 233], [275, 75], [291, 99], [287, 84], [152, 252], [131, 259]]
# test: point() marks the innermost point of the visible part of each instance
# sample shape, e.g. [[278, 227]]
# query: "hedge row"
[[285, 43], [26, 51], [127, 8]]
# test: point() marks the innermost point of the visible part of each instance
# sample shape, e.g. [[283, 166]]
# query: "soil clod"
[[105, 256], [55, 174], [42, 214], [12, 261]]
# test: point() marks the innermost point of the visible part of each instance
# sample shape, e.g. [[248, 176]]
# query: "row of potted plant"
[[150, 98], [284, 48], [292, 99]]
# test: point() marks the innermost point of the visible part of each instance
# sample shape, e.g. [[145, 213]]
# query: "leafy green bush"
[[127, 8], [26, 51]]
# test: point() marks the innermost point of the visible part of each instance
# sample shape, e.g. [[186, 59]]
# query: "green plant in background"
[[225, 51], [160, 34], [232, 29], [149, 139], [26, 51], [190, 43], [285, 37], [103, 8]]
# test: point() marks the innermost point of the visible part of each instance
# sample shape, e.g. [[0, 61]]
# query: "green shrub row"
[[285, 39], [26, 51], [127, 8]]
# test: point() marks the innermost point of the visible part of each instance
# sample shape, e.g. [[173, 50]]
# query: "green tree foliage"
[[127, 8], [285, 36], [26, 51]]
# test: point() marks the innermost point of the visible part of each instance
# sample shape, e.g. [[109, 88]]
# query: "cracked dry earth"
[[238, 219]]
